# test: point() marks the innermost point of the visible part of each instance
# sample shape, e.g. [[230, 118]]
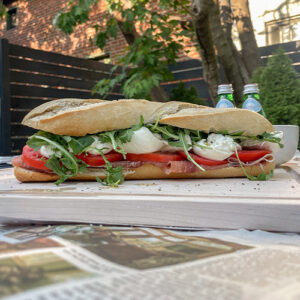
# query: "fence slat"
[[21, 130], [192, 63], [46, 68], [57, 58], [53, 81], [18, 144], [5, 130], [27, 103], [34, 91], [287, 47]]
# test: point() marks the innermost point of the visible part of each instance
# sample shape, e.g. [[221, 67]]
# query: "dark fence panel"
[[30, 77], [5, 143]]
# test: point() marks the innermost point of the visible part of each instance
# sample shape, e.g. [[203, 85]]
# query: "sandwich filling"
[[173, 149]]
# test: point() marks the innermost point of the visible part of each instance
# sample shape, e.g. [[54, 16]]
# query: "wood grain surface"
[[211, 203]]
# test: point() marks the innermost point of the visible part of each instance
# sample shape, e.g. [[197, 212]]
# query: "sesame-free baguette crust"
[[89, 117], [77, 117], [219, 119], [146, 171]]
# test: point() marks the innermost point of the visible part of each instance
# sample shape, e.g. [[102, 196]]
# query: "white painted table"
[[212, 203]]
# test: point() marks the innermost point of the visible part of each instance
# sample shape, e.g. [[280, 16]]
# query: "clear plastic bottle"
[[225, 96], [251, 98]]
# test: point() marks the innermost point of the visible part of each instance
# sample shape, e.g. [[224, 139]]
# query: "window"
[[282, 31], [11, 18]]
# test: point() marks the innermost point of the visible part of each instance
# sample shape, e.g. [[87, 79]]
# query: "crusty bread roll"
[[146, 171], [77, 117], [218, 119]]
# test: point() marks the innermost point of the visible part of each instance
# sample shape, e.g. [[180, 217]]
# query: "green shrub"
[[279, 89], [184, 94]]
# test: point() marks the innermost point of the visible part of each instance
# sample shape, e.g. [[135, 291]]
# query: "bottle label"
[[252, 104], [224, 103]]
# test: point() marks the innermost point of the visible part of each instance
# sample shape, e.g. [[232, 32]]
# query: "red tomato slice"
[[154, 156], [204, 161], [33, 158], [251, 155], [97, 160]]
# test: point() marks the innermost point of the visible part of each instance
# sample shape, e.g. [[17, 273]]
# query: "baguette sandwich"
[[110, 141]]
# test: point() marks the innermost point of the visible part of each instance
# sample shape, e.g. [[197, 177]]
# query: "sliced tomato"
[[97, 160], [33, 158], [204, 161], [251, 155], [154, 156]]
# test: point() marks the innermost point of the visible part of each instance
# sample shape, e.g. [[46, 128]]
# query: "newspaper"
[[101, 262]]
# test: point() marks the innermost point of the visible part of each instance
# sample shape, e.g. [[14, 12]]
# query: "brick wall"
[[35, 30]]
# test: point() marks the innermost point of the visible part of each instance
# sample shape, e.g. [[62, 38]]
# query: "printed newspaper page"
[[98, 262]]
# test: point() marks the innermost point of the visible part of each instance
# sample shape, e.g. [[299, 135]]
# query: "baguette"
[[79, 118], [146, 171]]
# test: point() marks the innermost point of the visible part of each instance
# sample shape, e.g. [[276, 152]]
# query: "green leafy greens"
[[176, 137], [62, 162], [260, 177], [265, 137], [114, 176], [118, 137]]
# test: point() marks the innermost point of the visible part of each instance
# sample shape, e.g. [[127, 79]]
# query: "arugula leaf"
[[78, 145], [265, 137], [118, 137], [114, 176], [260, 177], [112, 137], [176, 137], [53, 163], [62, 162], [185, 147]]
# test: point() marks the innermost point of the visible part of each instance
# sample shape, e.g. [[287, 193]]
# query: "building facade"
[[30, 24], [276, 21]]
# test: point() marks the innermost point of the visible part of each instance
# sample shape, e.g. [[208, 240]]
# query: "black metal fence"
[[29, 77]]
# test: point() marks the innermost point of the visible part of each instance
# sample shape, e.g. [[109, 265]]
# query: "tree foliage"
[[279, 89], [158, 41], [182, 93]]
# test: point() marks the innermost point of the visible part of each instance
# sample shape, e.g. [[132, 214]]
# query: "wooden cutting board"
[[210, 203]]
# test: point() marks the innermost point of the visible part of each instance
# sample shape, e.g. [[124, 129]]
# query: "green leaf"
[[114, 176], [101, 39], [62, 162], [185, 147], [79, 144], [261, 177]]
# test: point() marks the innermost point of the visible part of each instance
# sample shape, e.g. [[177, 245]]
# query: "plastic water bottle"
[[225, 96], [251, 99]]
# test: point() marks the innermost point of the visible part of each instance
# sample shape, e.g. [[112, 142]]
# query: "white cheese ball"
[[143, 141], [97, 145], [216, 147], [48, 150]]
